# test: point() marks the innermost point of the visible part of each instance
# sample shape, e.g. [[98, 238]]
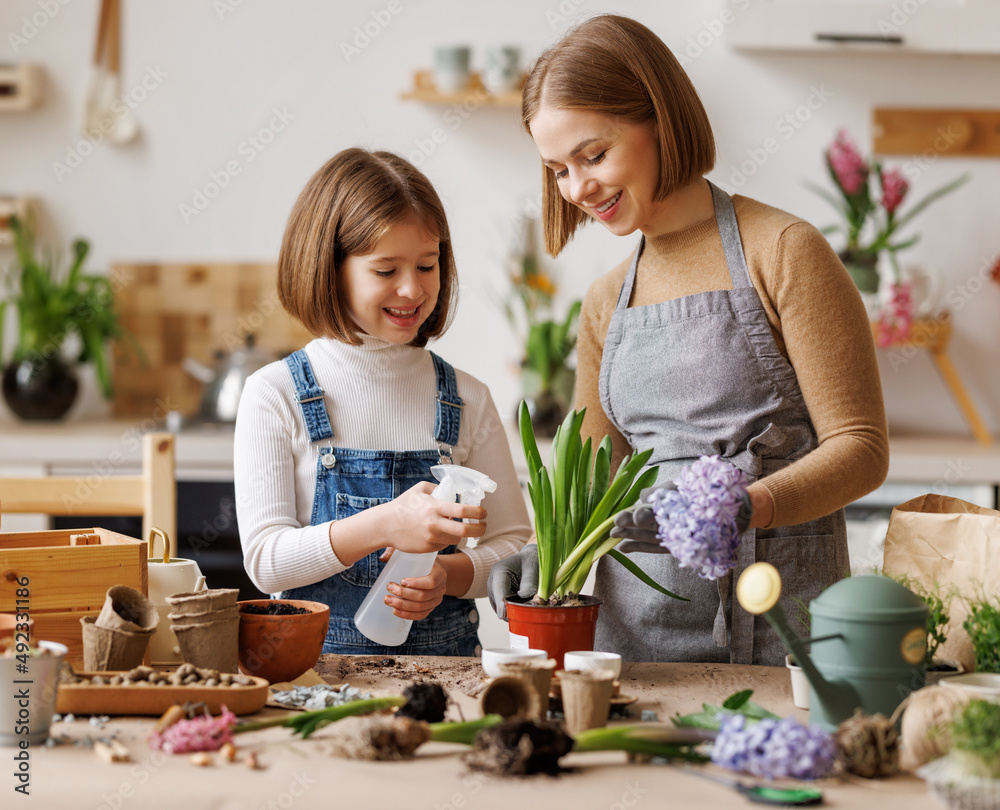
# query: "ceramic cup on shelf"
[[451, 68], [501, 68]]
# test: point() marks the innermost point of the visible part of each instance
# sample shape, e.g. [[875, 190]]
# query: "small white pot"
[[28, 719], [800, 684]]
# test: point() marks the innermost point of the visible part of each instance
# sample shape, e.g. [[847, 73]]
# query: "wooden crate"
[[69, 572]]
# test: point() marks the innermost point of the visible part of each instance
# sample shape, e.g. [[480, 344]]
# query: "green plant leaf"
[[630, 566]]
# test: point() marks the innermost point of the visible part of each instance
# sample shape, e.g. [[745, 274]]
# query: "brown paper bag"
[[952, 545]]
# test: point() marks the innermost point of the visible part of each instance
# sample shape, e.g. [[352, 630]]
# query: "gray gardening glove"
[[516, 575], [637, 527]]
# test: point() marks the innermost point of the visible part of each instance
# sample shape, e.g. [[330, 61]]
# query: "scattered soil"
[[520, 747], [274, 609], [424, 701], [465, 675]]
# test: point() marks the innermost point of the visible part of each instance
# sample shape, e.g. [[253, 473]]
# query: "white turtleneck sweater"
[[379, 396]]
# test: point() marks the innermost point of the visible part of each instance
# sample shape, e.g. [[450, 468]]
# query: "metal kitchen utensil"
[[869, 639], [123, 126], [224, 383], [100, 93]]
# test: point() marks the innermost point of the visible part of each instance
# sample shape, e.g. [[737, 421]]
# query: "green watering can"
[[869, 640]]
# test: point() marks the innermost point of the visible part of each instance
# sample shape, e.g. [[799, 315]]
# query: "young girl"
[[334, 444]]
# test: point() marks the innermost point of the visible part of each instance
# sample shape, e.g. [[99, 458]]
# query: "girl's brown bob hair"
[[617, 66], [344, 210]]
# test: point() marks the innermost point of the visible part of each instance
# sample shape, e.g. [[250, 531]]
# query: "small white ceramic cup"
[[594, 661], [493, 657], [800, 684]]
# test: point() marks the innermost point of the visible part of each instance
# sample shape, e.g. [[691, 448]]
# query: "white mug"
[[451, 68], [501, 68], [607, 663]]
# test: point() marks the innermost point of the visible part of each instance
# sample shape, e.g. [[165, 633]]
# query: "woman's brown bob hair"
[[344, 210], [617, 66]]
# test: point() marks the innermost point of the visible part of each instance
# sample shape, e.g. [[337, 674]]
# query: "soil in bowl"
[[280, 647], [274, 609]]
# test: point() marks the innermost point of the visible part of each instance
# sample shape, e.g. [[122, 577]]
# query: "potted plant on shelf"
[[575, 504], [547, 341], [870, 226], [56, 309]]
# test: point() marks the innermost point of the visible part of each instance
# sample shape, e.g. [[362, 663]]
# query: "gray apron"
[[702, 375]]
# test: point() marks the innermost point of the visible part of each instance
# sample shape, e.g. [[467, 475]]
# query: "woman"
[[733, 329]]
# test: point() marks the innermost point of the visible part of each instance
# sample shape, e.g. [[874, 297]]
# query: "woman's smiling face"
[[606, 166]]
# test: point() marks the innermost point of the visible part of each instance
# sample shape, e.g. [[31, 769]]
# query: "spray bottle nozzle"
[[461, 483]]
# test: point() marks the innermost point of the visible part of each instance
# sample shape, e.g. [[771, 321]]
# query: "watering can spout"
[[758, 590]]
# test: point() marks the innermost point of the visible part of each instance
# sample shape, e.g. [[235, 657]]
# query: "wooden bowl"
[[280, 648]]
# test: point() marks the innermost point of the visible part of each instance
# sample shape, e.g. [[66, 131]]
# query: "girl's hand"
[[415, 597], [419, 523]]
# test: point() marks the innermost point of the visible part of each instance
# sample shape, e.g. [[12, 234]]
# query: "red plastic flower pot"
[[557, 629]]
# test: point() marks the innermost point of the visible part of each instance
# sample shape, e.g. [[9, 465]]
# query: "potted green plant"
[[54, 305], [983, 626], [575, 504]]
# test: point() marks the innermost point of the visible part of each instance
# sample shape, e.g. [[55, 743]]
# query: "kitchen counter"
[[297, 773], [109, 446], [206, 452]]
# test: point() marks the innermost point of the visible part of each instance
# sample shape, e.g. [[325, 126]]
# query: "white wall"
[[223, 72]]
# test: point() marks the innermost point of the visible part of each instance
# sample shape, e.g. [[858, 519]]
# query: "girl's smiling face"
[[604, 165], [391, 291]]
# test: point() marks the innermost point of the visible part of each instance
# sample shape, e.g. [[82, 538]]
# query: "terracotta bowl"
[[280, 648]]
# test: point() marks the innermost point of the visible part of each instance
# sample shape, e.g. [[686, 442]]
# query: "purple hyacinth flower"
[[697, 521], [774, 748]]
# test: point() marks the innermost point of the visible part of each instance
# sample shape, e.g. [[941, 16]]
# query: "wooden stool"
[[933, 334]]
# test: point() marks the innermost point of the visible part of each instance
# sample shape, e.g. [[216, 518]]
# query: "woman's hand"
[[417, 523], [415, 597]]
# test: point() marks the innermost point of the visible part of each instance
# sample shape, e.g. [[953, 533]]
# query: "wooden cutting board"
[[180, 310]]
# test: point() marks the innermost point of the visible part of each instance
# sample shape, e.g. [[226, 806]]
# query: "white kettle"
[[168, 576]]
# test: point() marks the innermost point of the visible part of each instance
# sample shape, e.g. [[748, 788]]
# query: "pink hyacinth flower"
[[894, 189], [847, 163], [205, 733]]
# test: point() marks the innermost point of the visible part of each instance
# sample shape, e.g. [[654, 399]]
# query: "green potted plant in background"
[[574, 503], [58, 310], [983, 626], [547, 341]]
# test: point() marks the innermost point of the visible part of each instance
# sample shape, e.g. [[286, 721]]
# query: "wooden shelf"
[[475, 93], [945, 132]]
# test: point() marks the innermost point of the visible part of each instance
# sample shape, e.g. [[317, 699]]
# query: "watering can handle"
[[153, 534]]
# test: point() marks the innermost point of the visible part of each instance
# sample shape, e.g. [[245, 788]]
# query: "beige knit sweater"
[[818, 322]]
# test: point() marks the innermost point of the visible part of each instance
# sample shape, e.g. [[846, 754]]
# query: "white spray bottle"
[[375, 619]]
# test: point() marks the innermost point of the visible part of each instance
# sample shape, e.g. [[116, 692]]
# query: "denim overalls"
[[348, 481]]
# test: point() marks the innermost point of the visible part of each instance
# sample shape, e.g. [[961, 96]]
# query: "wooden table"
[[296, 775]]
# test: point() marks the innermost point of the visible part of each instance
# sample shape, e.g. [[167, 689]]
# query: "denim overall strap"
[[348, 481], [449, 407], [309, 396]]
